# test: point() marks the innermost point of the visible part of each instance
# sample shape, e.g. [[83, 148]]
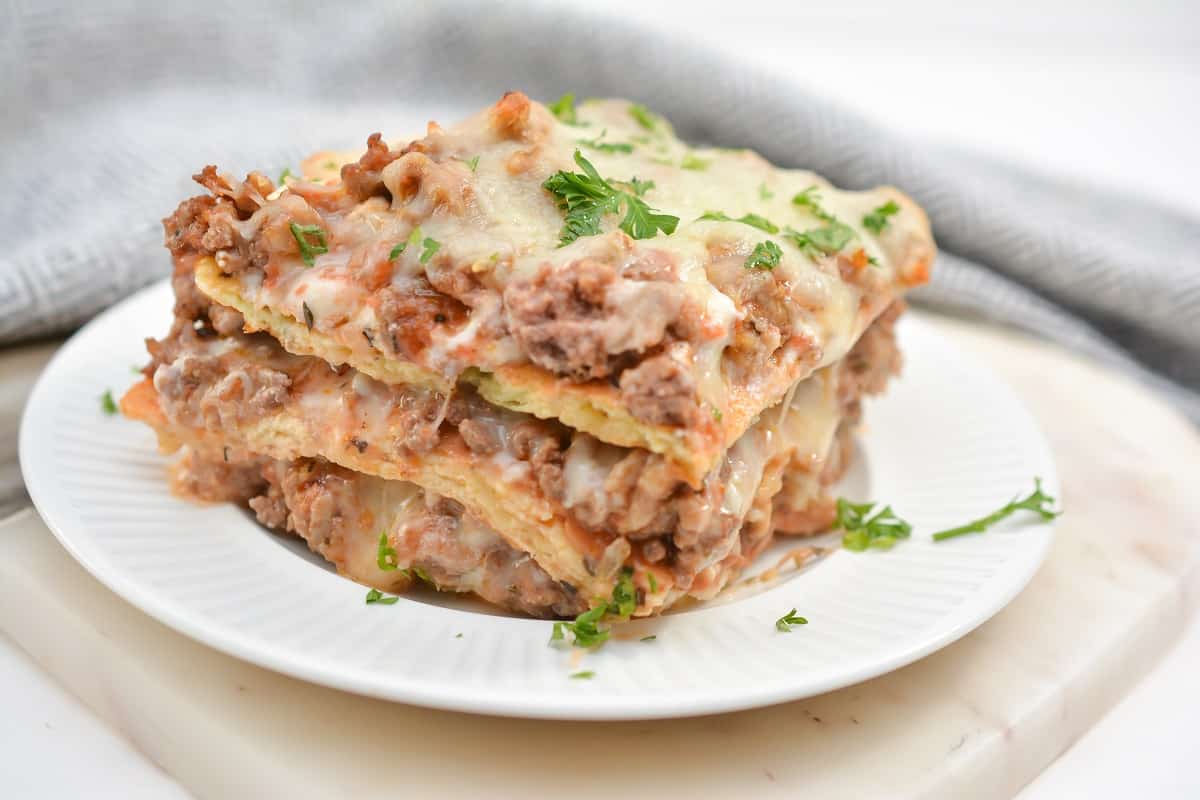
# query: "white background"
[[1104, 91]]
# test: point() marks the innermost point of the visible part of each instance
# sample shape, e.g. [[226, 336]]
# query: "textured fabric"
[[107, 113]]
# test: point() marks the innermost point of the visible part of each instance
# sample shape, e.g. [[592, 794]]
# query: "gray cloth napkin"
[[109, 110]]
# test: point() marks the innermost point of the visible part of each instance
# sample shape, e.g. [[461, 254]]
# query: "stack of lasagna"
[[533, 356]]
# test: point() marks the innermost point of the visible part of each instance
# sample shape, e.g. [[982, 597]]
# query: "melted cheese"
[[499, 222]]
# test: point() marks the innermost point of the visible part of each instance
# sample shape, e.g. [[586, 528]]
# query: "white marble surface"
[[981, 717]]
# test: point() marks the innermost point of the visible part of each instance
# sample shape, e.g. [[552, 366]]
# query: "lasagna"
[[542, 355]]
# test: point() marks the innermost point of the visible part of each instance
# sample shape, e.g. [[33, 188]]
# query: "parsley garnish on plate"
[[643, 116], [753, 220], [765, 193], [877, 220], [765, 255], [586, 197], [694, 162], [311, 241], [283, 176], [649, 638], [583, 675], [472, 162], [1038, 502], [586, 630], [107, 404], [564, 109], [386, 556], [784, 624], [883, 529], [374, 596], [863, 531]]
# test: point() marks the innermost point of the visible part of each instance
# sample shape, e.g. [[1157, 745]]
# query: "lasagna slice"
[[597, 271], [538, 360]]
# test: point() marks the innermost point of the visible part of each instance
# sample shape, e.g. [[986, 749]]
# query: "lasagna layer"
[[581, 508], [450, 259], [342, 514]]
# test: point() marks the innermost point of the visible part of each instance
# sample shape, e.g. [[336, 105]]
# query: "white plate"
[[948, 442]]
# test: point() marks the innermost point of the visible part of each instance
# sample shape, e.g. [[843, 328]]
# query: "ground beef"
[[581, 321], [767, 303], [201, 391], [541, 445], [873, 360], [482, 437], [410, 316], [422, 413], [362, 179], [270, 508], [662, 390], [331, 508], [215, 479]]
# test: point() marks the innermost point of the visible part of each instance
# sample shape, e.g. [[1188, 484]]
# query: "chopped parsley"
[[649, 638], [694, 162], [753, 220], [624, 595], [605, 147], [414, 239], [386, 556], [643, 116], [586, 197], [311, 241], [863, 531], [811, 201], [586, 630], [430, 246], [639, 187], [764, 192], [877, 220], [650, 579], [283, 176], [331, 164], [765, 255], [375, 596], [1038, 502], [583, 675], [564, 109], [107, 404], [473, 163], [784, 624], [825, 240], [308, 315], [717, 414]]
